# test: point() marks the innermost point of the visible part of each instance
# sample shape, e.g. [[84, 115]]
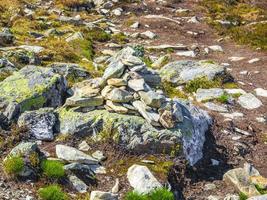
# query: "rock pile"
[[123, 89]]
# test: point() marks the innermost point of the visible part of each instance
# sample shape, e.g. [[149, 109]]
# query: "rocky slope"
[[102, 98]]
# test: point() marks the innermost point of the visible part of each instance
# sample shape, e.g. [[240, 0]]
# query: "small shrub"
[[201, 82], [223, 98], [158, 194], [99, 35], [13, 165], [135, 196], [53, 168], [52, 192], [147, 61], [173, 92], [34, 159], [161, 194], [119, 38], [261, 189], [243, 196]]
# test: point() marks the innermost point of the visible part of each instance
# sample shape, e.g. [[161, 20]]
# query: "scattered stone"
[[138, 85], [118, 95], [249, 101], [141, 179], [116, 82], [194, 20], [116, 188], [242, 131], [208, 94], [78, 184], [135, 25], [235, 91], [209, 186], [71, 154], [179, 47], [216, 107], [99, 155], [83, 146], [40, 123], [117, 107], [236, 59], [117, 11], [99, 195], [6, 37], [186, 53], [160, 62], [151, 99], [253, 60], [233, 115], [75, 36], [149, 35], [216, 48], [261, 92]]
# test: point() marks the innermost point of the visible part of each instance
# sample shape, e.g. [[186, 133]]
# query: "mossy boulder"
[[136, 134], [31, 88], [181, 72]]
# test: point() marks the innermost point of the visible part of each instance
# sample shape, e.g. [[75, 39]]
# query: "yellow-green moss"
[[119, 38], [172, 91], [201, 82], [13, 165]]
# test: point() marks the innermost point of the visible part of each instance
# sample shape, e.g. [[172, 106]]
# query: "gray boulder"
[[181, 72], [136, 134], [31, 88], [259, 197], [71, 154], [40, 123]]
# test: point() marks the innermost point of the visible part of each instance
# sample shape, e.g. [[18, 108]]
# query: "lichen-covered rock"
[[40, 123], [6, 37], [136, 134], [31, 88], [99, 195], [181, 72]]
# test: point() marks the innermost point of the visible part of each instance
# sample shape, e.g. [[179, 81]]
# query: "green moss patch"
[[13, 165], [52, 192], [53, 169], [201, 82], [158, 194]]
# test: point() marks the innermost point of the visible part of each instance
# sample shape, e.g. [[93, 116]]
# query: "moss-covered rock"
[[134, 133], [29, 89]]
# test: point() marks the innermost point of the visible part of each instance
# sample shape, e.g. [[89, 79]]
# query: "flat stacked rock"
[[123, 89]]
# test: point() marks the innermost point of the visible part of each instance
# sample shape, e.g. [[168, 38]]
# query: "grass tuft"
[[158, 194], [53, 169], [52, 192], [13, 165], [201, 82]]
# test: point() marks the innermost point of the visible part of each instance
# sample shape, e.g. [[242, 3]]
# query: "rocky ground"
[[134, 95]]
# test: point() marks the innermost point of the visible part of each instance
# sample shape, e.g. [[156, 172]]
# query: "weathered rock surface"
[[181, 72], [208, 94], [249, 101], [40, 123], [6, 68], [142, 180], [71, 154], [31, 88]]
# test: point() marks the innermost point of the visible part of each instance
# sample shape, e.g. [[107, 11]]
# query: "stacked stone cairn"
[[126, 88]]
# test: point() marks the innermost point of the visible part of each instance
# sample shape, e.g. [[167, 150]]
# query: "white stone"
[[233, 115], [260, 197], [253, 60], [236, 58], [186, 53], [261, 92], [83, 146], [141, 179], [216, 48], [216, 107], [116, 188], [135, 25], [149, 34], [249, 101], [235, 91]]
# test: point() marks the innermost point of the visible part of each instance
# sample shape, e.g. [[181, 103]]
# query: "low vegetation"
[[172, 91], [158, 194], [201, 82], [244, 19], [13, 165], [223, 98], [53, 169], [52, 192]]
